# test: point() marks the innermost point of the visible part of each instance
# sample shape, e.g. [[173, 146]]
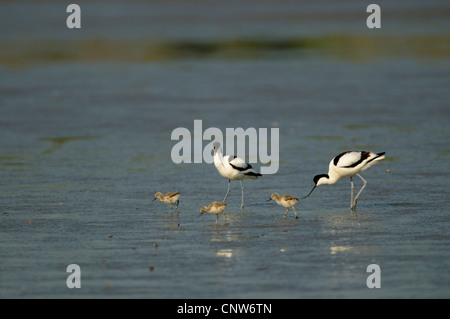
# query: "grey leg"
[[296, 216], [242, 198], [287, 210], [352, 192], [226, 195], [359, 193]]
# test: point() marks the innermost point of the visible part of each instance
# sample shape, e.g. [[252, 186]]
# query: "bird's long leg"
[[352, 192], [226, 195], [296, 216], [359, 193], [217, 219], [287, 210], [178, 201], [171, 206], [242, 199]]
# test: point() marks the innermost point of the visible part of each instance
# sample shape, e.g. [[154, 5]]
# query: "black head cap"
[[317, 177]]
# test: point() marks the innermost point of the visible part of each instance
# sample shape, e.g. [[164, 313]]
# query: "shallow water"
[[85, 143]]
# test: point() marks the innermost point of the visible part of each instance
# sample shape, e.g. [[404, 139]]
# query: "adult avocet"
[[233, 168], [214, 208], [287, 201], [348, 164], [170, 198]]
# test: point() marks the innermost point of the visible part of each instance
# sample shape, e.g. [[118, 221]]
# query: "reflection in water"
[[228, 253], [336, 249], [353, 249], [349, 47]]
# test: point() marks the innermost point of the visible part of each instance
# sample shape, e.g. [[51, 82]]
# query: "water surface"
[[85, 123]]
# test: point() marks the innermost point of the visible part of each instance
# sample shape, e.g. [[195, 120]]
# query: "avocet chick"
[[214, 208], [287, 201], [170, 198]]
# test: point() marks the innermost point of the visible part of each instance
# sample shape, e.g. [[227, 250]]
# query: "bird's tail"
[[380, 156]]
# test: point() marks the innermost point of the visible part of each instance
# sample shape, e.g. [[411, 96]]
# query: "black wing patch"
[[248, 166], [253, 174], [364, 155], [337, 158]]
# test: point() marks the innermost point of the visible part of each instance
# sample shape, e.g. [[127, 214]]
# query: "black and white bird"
[[233, 168], [348, 164]]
